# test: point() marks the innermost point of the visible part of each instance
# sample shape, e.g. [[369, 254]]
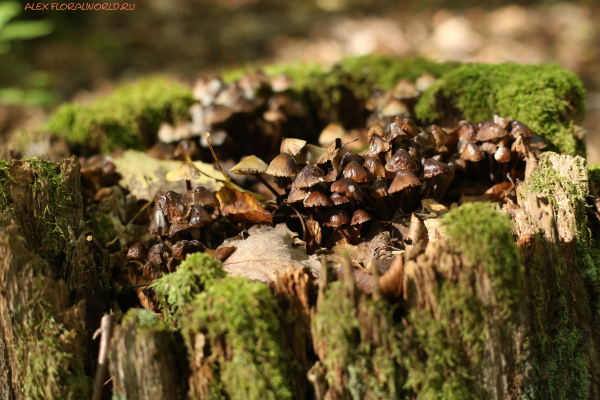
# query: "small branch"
[[99, 380]]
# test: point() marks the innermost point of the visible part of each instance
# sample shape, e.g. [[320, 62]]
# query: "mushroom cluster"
[[99, 174], [255, 107], [385, 105], [341, 189], [179, 218]]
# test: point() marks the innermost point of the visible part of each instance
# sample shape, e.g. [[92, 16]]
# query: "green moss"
[[129, 118], [362, 342], [54, 220], [176, 290], [5, 177], [483, 236], [569, 375], [143, 318], [243, 316], [359, 74], [594, 174], [545, 97], [50, 371]]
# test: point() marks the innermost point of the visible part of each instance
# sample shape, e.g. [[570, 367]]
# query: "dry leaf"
[[434, 207], [242, 207], [267, 250], [144, 175]]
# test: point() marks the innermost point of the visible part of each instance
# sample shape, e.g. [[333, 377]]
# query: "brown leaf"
[[392, 281], [242, 207], [267, 250]]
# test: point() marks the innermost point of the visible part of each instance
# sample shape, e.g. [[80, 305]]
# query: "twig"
[[106, 329], [130, 222]]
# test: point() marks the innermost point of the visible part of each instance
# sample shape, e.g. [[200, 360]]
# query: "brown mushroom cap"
[[348, 188], [467, 132], [338, 218], [502, 122], [215, 114], [308, 177], [274, 116], [401, 161], [281, 83], [518, 127], [536, 142], [161, 151], [424, 81], [407, 126], [379, 188], [375, 129], [205, 198], [316, 198], [158, 224], [355, 172], [414, 151], [137, 252], [291, 145], [360, 217], [338, 199], [471, 152], [159, 254], [502, 154], [296, 194], [405, 89], [352, 156], [182, 248], [309, 154], [160, 202], [374, 168], [186, 171], [489, 147], [177, 227], [439, 135], [199, 217], [284, 165], [177, 210], [377, 146], [330, 133], [185, 149], [402, 180], [394, 107], [433, 168], [250, 165], [489, 131], [426, 141]]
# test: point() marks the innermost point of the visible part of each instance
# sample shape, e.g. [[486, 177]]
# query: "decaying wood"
[[143, 359]]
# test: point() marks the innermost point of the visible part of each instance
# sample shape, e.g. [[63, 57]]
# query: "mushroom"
[[358, 218], [309, 154], [439, 135], [215, 114], [309, 176], [281, 83], [490, 131], [161, 151], [401, 161], [254, 166], [377, 148], [467, 132], [330, 133], [352, 156], [394, 107], [431, 170], [375, 129], [348, 188], [183, 247], [405, 89], [185, 150], [355, 172], [283, 166], [374, 168], [296, 195], [291, 146], [502, 154], [337, 219], [187, 170], [424, 81]]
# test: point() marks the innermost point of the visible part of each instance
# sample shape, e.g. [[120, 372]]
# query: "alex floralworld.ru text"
[[80, 6]]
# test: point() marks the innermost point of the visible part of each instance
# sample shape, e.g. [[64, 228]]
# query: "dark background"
[[89, 52]]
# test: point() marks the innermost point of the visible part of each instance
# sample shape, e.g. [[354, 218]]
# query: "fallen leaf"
[[242, 206], [268, 250], [144, 175], [434, 207]]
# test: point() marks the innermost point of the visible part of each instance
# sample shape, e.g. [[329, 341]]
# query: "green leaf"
[[21, 30], [9, 10]]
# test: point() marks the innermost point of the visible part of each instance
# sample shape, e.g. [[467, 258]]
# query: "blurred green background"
[[52, 56]]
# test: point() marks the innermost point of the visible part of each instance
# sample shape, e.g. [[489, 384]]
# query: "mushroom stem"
[[304, 234], [227, 180], [341, 232], [268, 186], [188, 183]]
